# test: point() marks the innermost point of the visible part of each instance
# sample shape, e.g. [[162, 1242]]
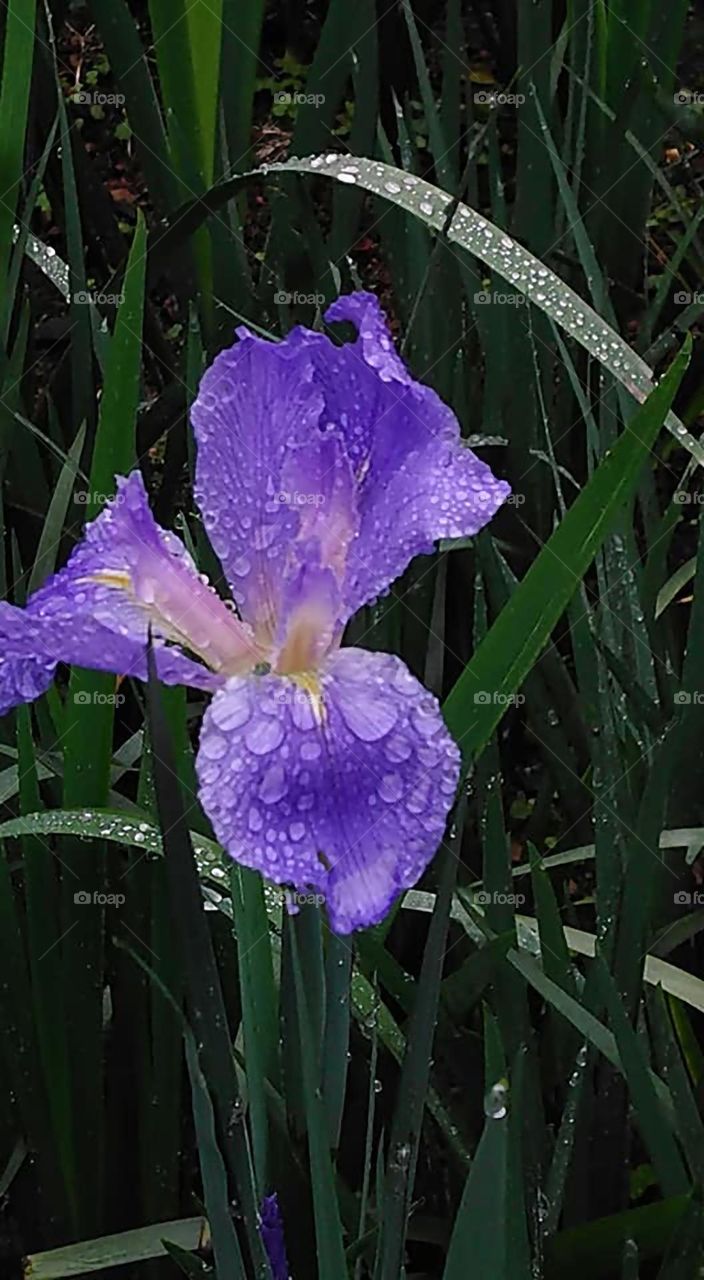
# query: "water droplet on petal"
[[391, 787], [213, 746], [231, 709], [263, 736], [273, 785]]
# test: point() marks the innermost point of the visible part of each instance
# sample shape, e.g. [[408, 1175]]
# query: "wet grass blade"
[[128, 61], [338, 969], [229, 1264], [472, 232], [478, 1244], [259, 1011], [522, 628], [205, 34], [489, 1240], [115, 447], [242, 28], [18, 56], [673, 1070], [406, 1125], [44, 936], [204, 998], [116, 1250], [655, 1129], [88, 734], [328, 1227], [50, 538]]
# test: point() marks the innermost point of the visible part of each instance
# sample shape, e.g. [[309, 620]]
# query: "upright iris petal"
[[321, 471]]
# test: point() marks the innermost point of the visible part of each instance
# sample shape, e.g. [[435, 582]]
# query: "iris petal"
[[24, 675], [281, 426], [348, 798], [417, 481], [125, 575], [255, 404]]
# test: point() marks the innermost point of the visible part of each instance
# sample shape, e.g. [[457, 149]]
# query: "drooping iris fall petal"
[[341, 789]]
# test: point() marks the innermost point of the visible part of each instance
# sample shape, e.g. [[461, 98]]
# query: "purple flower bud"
[[272, 1232]]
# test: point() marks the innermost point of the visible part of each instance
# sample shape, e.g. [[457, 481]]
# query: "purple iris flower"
[[271, 1230], [321, 471]]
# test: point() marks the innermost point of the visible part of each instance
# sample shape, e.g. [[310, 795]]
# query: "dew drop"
[[263, 736], [496, 1101], [391, 787], [273, 785]]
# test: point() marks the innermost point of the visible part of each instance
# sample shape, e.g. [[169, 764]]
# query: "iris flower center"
[[187, 611]]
